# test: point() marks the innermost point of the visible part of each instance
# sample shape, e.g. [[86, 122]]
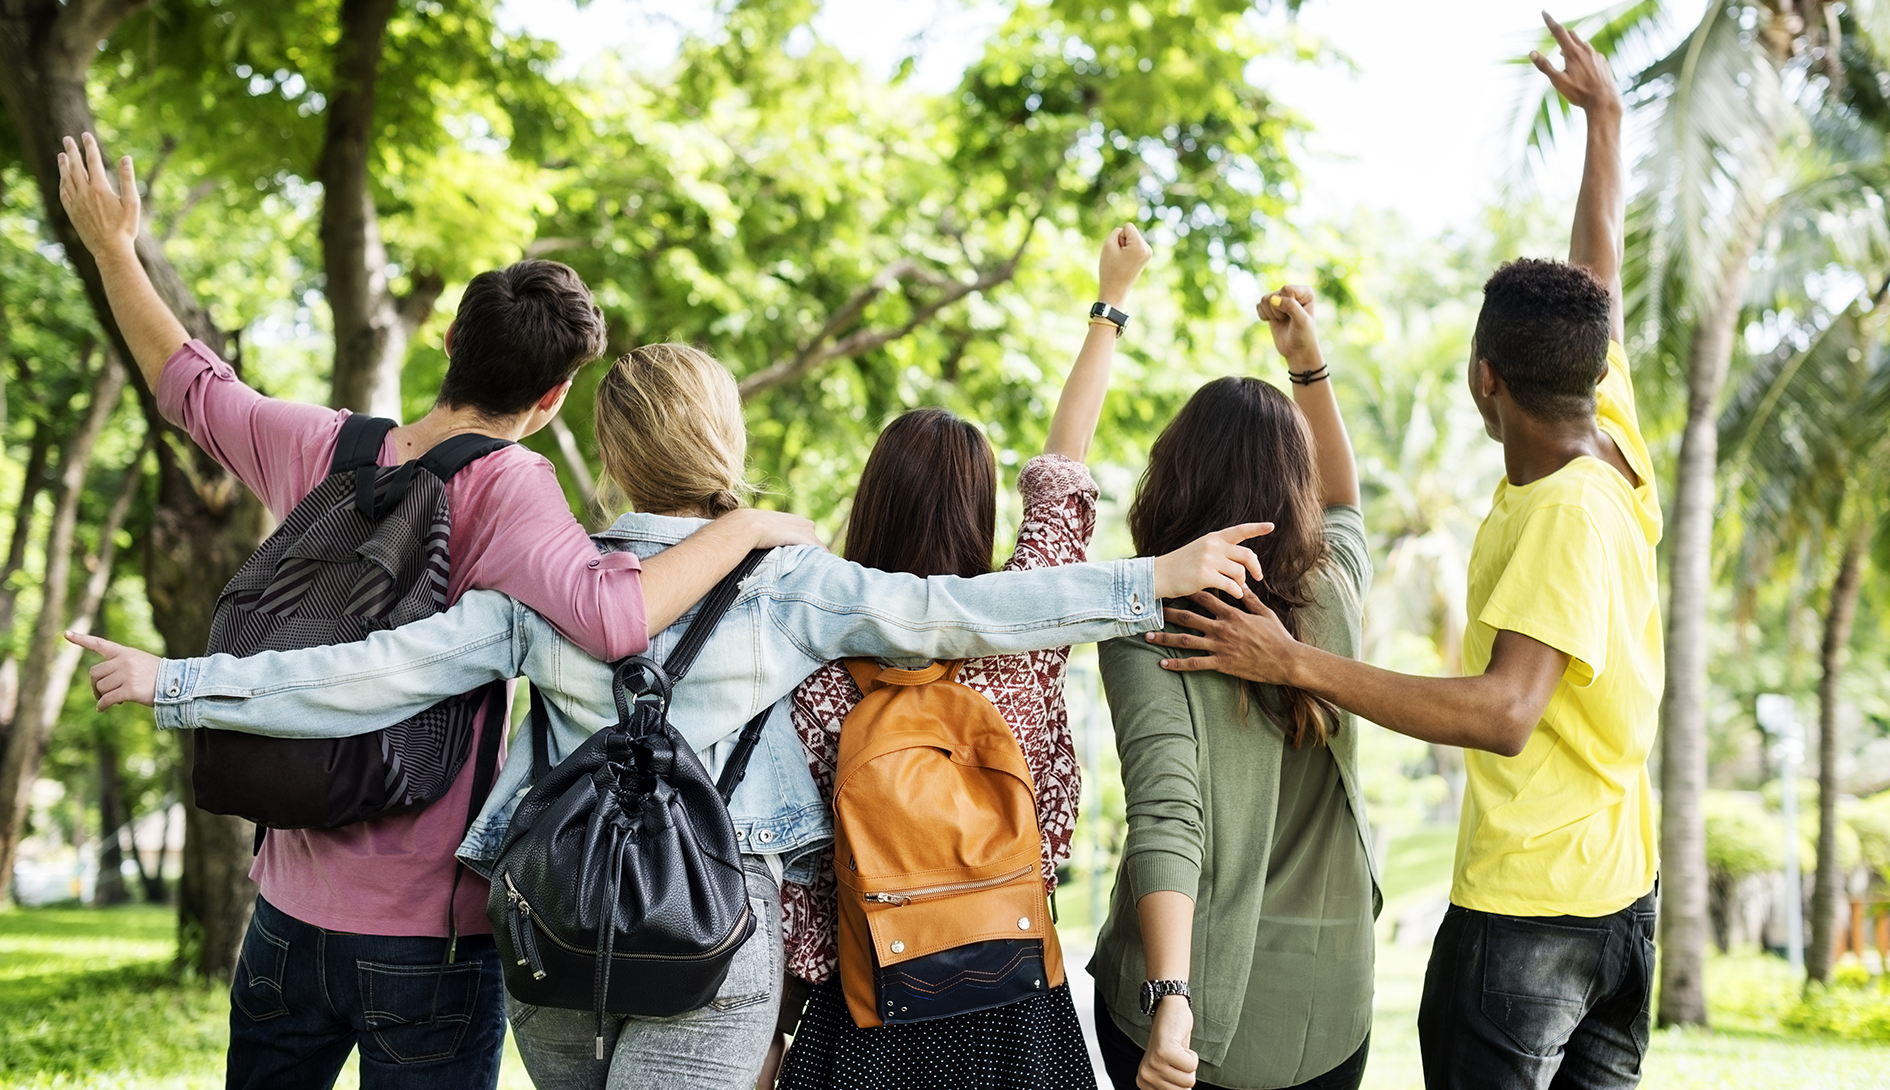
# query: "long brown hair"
[[1239, 451], [927, 502]]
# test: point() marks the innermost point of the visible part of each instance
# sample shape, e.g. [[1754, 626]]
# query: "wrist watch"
[[1153, 991], [1109, 314]]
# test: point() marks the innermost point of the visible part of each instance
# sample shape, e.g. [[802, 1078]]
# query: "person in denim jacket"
[[670, 430]]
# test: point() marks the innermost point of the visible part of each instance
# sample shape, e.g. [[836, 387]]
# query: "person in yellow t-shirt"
[[1543, 966]]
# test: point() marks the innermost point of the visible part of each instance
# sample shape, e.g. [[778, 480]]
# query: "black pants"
[[1122, 1056], [1538, 1002]]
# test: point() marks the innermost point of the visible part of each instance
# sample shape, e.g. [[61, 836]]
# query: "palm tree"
[[1726, 107]]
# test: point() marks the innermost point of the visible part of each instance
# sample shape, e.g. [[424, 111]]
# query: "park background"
[[867, 206]]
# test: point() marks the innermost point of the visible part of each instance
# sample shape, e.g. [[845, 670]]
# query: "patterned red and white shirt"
[[1027, 690]]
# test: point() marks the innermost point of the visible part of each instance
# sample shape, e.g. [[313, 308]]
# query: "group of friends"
[[1238, 949]]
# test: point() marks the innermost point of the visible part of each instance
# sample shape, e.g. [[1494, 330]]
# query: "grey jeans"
[[720, 1045]]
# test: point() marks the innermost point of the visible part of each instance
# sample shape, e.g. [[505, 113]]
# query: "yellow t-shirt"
[[1567, 827]]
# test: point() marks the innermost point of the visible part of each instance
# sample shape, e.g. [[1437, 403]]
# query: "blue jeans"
[[304, 997], [1538, 1002], [719, 1047]]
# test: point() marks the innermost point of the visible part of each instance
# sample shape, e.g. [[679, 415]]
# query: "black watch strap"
[[1117, 318], [1154, 991]]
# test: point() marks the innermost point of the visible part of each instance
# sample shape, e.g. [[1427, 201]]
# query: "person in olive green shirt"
[[1246, 874], [1543, 967]]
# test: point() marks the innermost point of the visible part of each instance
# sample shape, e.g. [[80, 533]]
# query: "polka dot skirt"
[[1033, 1045]]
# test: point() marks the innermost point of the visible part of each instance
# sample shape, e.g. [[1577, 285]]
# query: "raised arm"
[[1595, 242], [1288, 313], [1124, 255], [108, 221]]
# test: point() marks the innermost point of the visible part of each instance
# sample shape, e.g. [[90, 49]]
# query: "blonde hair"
[[669, 427]]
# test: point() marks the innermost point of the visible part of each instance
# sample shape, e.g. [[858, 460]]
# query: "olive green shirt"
[[1270, 842]]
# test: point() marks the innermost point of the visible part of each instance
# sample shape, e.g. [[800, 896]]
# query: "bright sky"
[[1418, 122]]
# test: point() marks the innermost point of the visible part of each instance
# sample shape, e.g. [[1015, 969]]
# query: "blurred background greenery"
[[855, 235]]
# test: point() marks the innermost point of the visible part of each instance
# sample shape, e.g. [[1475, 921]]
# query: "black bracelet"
[[1307, 378]]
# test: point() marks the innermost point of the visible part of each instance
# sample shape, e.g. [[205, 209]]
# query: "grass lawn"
[[87, 999]]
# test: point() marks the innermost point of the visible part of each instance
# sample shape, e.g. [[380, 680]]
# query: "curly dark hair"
[[1544, 330]]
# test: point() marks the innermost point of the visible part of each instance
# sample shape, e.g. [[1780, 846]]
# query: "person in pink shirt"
[[349, 942]]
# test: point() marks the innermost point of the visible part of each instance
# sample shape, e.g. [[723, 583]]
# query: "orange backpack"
[[938, 854]]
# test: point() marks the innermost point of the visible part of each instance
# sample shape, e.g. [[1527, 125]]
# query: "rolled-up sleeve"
[[1160, 755], [278, 448], [511, 523]]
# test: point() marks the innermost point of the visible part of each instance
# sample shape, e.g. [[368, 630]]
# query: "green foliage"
[[1854, 1010], [1742, 839]]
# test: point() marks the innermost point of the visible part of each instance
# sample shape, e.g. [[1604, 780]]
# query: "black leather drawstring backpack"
[[619, 887]]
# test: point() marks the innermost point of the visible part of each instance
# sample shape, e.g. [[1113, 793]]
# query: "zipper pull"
[[520, 921], [889, 898]]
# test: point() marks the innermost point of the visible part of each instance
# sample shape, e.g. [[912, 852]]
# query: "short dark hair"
[[1544, 329], [520, 331], [927, 501]]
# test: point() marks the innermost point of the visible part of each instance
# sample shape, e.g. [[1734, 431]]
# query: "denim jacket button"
[[1135, 603], [766, 836], [741, 834], [173, 688]]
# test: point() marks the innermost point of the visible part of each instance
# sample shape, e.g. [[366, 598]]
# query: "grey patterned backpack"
[[364, 550]]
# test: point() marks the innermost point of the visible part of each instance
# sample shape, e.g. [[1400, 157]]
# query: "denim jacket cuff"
[[1136, 603], [172, 703]]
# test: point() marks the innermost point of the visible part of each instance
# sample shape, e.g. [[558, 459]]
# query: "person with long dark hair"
[[1238, 948], [927, 505]]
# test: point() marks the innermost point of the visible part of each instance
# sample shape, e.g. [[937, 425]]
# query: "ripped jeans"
[[1538, 1002], [721, 1045]]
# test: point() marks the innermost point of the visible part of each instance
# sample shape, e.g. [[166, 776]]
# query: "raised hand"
[[1584, 78], [1288, 313], [1125, 253], [1216, 561], [126, 674], [105, 218]]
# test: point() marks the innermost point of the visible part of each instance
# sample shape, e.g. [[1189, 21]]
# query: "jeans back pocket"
[[1538, 978], [257, 988], [418, 1013]]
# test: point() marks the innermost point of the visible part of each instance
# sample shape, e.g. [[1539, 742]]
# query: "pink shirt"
[[512, 531]]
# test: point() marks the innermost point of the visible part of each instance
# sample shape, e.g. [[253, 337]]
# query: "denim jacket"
[[801, 608]]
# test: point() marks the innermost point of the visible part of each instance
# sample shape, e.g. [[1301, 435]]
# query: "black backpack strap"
[[485, 769], [714, 604], [359, 443], [540, 722], [737, 764], [455, 453], [486, 761]]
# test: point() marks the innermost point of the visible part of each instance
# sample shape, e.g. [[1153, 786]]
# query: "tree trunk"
[[1684, 920], [31, 486], [111, 821], [1827, 893], [206, 523], [36, 712], [372, 325]]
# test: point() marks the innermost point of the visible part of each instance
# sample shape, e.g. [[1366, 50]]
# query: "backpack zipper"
[[926, 893], [520, 921], [534, 923]]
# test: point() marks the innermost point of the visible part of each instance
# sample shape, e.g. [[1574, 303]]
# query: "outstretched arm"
[[1596, 240], [107, 221], [1496, 710], [1288, 313], [1124, 255]]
